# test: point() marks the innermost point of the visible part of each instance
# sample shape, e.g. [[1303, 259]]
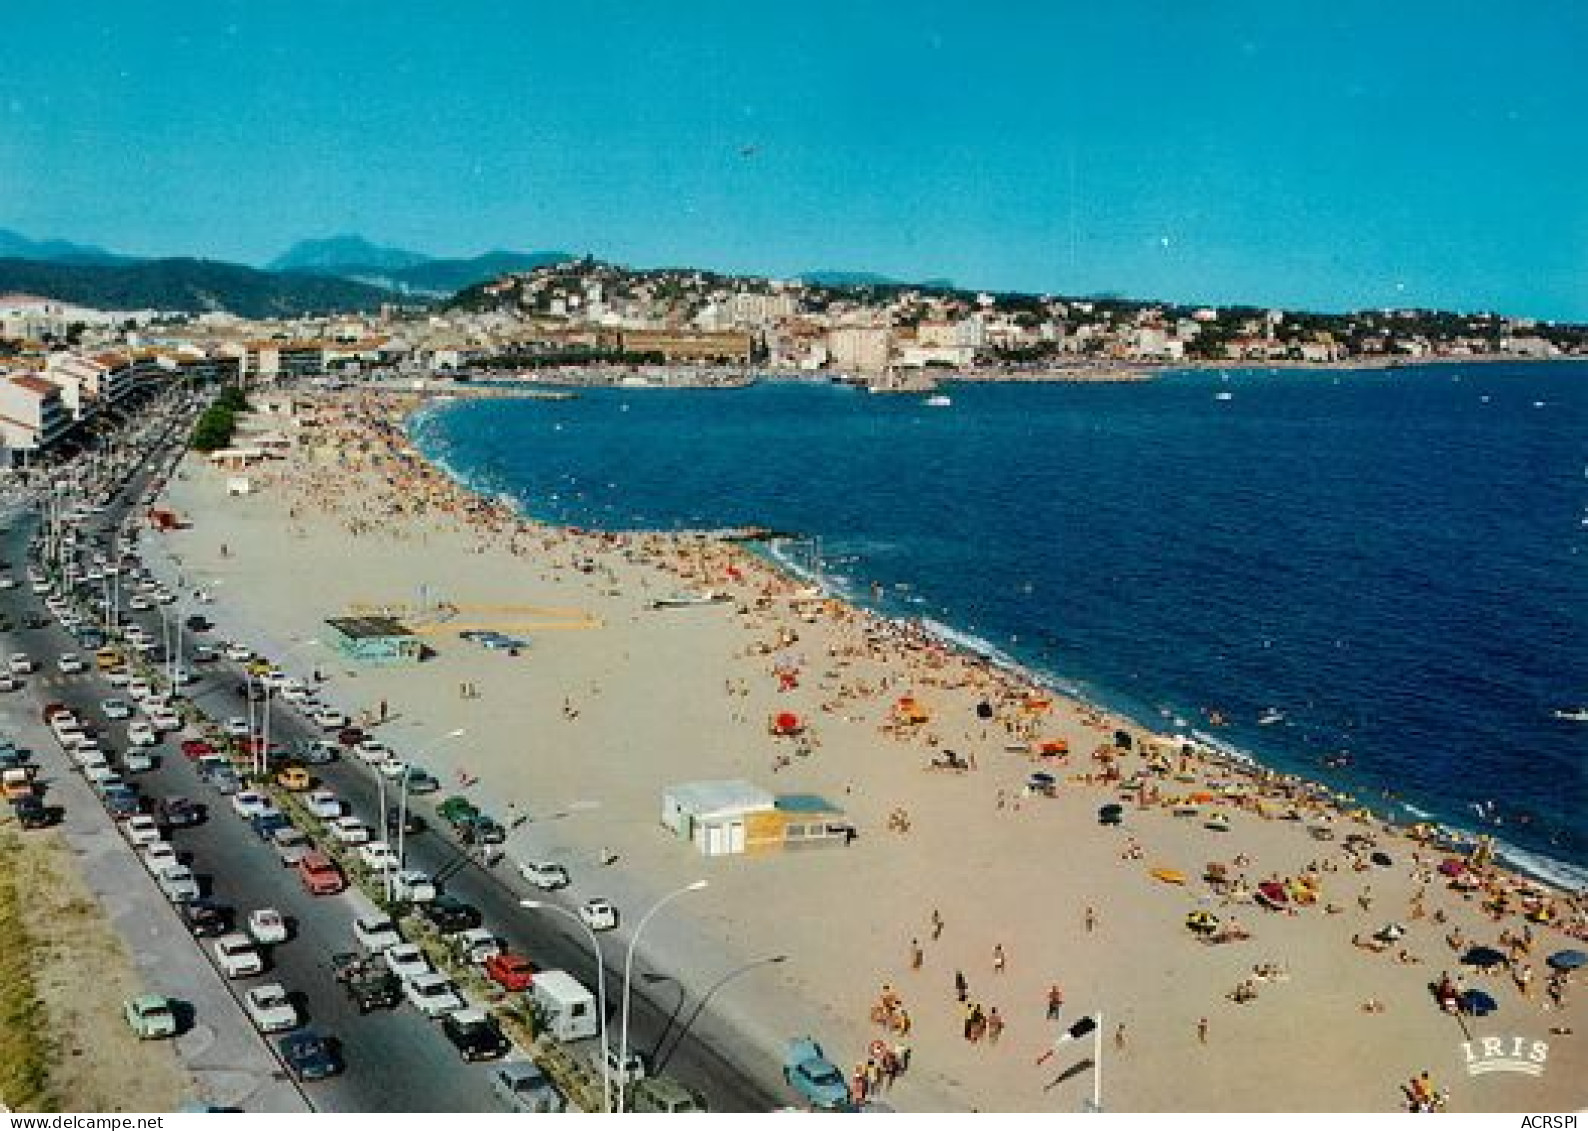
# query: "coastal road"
[[396, 1061], [389, 1054]]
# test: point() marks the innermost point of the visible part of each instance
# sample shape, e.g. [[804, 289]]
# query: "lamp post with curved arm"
[[264, 753], [628, 969], [402, 806], [601, 992]]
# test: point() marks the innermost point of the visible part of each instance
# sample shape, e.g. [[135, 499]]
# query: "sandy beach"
[[958, 869]]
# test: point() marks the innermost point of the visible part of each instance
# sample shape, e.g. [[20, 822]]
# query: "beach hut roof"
[[805, 803], [713, 798]]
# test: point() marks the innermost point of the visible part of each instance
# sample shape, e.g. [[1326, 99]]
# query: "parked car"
[[376, 933], [808, 1071], [414, 886], [291, 845], [142, 829], [116, 708], [177, 882], [475, 1034], [206, 918], [544, 875], [267, 926], [406, 960], [178, 812], [378, 856], [320, 875], [237, 956], [432, 994], [250, 803], [324, 804], [349, 831], [309, 1056], [409, 823], [319, 752], [477, 945], [70, 663], [523, 1086], [510, 970], [422, 781], [450, 915], [369, 982], [150, 1017], [270, 1008]]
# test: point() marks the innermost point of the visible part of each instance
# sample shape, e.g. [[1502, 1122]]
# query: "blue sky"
[[1327, 155]]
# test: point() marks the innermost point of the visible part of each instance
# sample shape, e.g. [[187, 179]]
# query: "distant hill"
[[191, 285], [14, 245], [870, 279], [440, 277], [342, 255]]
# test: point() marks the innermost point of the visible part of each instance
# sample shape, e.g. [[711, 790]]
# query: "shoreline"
[[1563, 876], [701, 680]]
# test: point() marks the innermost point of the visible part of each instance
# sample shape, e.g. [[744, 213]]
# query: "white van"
[[569, 1008]]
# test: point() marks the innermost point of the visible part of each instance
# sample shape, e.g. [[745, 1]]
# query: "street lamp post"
[[264, 753], [402, 805], [628, 968], [601, 991]]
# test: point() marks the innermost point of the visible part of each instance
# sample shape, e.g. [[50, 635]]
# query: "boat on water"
[[1573, 715], [938, 400], [1271, 716], [1224, 395], [691, 600]]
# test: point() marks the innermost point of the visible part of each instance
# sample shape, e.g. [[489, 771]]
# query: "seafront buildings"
[[62, 366]]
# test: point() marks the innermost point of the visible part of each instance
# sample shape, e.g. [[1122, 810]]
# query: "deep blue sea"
[[1396, 560]]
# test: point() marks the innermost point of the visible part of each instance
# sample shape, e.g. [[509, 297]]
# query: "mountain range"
[[406, 272], [191, 285], [344, 272]]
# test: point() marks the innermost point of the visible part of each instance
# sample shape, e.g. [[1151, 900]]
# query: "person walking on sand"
[[1119, 1038], [937, 925], [1202, 1030], [917, 955], [1055, 1001], [1091, 919], [961, 987], [995, 1026], [998, 958]]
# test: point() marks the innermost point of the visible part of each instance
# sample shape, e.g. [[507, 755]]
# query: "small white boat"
[[1574, 715], [1224, 395], [1271, 716], [690, 600], [938, 400]]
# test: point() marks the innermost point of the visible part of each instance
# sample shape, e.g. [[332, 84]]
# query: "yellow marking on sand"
[[507, 626]]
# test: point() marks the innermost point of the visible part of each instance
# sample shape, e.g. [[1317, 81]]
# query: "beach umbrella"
[[1382, 859], [1452, 867], [1168, 875], [1478, 1003], [1273, 892], [1110, 814], [1567, 960], [786, 722], [1202, 922], [1390, 932], [984, 710], [1484, 957]]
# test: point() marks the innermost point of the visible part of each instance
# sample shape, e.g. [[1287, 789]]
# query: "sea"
[[1376, 579]]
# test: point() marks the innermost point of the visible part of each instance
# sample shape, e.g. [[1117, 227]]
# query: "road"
[[396, 1060]]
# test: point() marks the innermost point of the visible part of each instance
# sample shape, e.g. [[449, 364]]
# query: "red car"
[[196, 748], [320, 875], [510, 971]]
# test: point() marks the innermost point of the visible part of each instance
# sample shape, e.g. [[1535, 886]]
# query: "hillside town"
[[587, 322]]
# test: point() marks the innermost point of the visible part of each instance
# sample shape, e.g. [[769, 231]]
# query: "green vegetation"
[[193, 285], [24, 1071], [216, 426]]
